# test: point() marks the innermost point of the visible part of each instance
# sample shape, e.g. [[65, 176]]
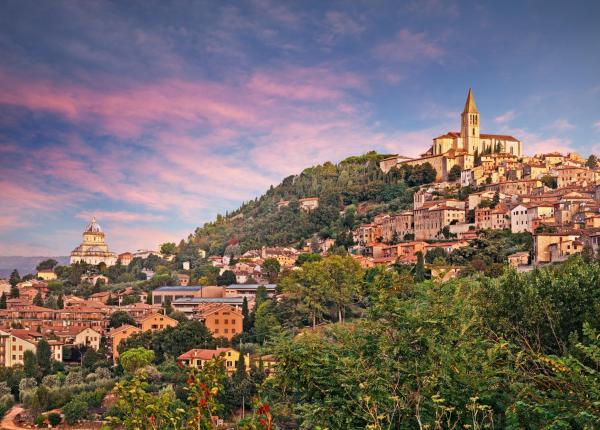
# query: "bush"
[[74, 378], [74, 411], [39, 421], [51, 381], [54, 419], [6, 402]]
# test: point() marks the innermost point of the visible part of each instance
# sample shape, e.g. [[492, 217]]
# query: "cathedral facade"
[[93, 249]]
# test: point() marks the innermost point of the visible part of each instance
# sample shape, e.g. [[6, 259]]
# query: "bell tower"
[[469, 129]]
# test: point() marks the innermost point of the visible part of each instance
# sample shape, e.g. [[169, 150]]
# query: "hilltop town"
[[472, 204]]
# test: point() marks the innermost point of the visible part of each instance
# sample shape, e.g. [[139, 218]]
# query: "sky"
[[155, 116]]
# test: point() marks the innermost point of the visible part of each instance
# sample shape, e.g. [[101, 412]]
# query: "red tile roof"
[[203, 354]]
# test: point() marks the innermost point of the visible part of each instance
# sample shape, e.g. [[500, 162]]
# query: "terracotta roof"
[[159, 315], [123, 327], [456, 134], [203, 354], [205, 309]]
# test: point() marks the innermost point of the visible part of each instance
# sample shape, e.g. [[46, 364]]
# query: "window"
[[226, 331], [217, 321]]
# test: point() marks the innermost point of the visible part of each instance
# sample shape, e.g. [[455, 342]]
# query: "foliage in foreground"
[[520, 351], [442, 356]]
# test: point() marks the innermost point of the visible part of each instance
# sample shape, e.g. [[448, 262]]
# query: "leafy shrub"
[[74, 411], [54, 419]]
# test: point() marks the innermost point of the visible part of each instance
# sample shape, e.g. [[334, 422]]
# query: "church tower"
[[469, 129]]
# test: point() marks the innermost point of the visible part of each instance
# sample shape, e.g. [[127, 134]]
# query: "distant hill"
[[350, 192], [24, 265]]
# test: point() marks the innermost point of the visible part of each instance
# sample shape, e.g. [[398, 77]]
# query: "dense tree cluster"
[[342, 186], [517, 352]]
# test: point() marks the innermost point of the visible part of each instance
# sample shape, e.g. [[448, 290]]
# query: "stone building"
[[460, 148], [93, 249]]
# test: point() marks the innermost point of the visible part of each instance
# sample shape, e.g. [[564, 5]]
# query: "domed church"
[[93, 249]]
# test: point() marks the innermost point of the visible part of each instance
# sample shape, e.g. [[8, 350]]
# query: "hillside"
[[350, 192]]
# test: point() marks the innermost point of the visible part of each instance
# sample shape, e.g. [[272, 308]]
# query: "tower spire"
[[470, 106]]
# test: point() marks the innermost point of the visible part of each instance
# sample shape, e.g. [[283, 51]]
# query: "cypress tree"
[[14, 278], [60, 302], [38, 300], [240, 368], [44, 356], [246, 315], [30, 364], [420, 268], [3, 301]]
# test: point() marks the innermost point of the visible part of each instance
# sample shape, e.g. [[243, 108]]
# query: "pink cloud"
[[120, 216], [562, 124], [505, 117], [126, 238], [254, 131]]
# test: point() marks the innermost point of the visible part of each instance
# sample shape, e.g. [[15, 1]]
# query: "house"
[[432, 217], [269, 363], [552, 247], [520, 187], [221, 319], [83, 336], [198, 357], [14, 343], [12, 348], [282, 204], [573, 175], [156, 322], [518, 259], [46, 275], [248, 290], [519, 219], [171, 293], [397, 226], [5, 287], [309, 204], [102, 296], [118, 335], [125, 258]]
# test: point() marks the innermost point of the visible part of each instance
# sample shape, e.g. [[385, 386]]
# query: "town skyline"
[[154, 126]]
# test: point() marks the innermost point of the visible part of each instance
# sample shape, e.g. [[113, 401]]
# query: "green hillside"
[[350, 192]]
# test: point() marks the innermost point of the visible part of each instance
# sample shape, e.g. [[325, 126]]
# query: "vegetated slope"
[[353, 190]]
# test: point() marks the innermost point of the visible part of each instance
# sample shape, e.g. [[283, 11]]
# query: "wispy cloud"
[[338, 25], [562, 124], [505, 117], [407, 46], [120, 216]]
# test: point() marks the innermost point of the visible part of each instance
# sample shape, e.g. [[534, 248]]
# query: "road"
[[8, 422]]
